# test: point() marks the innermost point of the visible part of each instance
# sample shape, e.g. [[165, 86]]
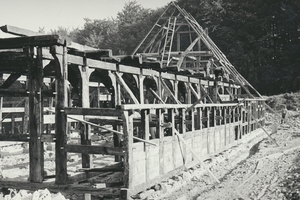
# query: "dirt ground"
[[256, 170], [262, 170]]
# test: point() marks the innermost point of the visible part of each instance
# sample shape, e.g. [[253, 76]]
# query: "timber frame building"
[[164, 94]]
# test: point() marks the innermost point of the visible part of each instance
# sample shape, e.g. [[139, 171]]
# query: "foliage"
[[122, 34], [260, 38], [290, 100]]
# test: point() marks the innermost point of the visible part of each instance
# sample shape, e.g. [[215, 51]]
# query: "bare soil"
[[259, 170], [268, 172]]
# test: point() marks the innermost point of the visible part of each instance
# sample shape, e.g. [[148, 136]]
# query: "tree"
[[134, 23]]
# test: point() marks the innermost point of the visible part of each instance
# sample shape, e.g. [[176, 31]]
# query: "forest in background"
[[260, 38]]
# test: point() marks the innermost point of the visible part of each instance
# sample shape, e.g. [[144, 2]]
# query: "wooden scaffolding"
[[142, 105]]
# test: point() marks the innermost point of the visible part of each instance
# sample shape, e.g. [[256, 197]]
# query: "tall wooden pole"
[[85, 131], [36, 151], [60, 117]]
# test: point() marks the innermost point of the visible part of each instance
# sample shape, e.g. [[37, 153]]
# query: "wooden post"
[[141, 87], [1, 104], [26, 116], [127, 146], [12, 123], [208, 130], [145, 128], [183, 131], [171, 118], [61, 123], [160, 131], [85, 130], [36, 149]]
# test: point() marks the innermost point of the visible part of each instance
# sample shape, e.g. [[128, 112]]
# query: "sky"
[[51, 14]]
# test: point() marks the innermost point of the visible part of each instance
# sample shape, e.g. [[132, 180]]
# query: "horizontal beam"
[[20, 42], [14, 137], [93, 111], [22, 93], [178, 106], [92, 149], [25, 32], [70, 189], [176, 53], [18, 31], [111, 168]]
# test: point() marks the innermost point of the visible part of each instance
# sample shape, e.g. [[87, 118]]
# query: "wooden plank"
[[93, 149], [20, 42], [36, 147], [93, 111]]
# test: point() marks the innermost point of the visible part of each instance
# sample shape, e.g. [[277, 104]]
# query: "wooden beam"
[[18, 31], [20, 42], [156, 95], [93, 111], [10, 80], [127, 89], [70, 189], [203, 90], [118, 167], [194, 104], [93, 149], [111, 130], [190, 47], [15, 137], [170, 92]]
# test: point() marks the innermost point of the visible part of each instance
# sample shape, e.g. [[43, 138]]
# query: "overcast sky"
[[50, 14]]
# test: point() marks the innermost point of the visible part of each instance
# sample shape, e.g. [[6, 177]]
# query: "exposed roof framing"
[[177, 41]]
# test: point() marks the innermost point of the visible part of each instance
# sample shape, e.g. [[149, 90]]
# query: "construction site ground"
[[258, 169]]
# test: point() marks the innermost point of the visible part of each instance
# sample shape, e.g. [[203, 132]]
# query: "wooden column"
[[36, 150], [127, 146], [85, 129], [61, 122], [171, 117], [141, 87], [208, 130], [1, 105], [160, 131], [145, 129], [26, 116], [183, 131]]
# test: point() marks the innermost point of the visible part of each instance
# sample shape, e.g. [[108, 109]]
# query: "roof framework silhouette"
[[177, 41]]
